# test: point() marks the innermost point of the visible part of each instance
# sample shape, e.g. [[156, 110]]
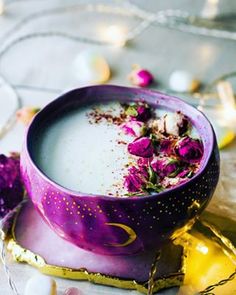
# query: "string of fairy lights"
[[112, 36]]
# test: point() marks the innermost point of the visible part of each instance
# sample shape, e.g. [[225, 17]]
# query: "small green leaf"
[[138, 194], [154, 140], [190, 174], [174, 173], [131, 111], [150, 187], [144, 130], [152, 175]]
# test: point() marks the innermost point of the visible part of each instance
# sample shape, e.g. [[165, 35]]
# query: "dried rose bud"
[[144, 113], [141, 77], [73, 291], [141, 147], [139, 112], [189, 150], [182, 123], [165, 166], [26, 114], [176, 124], [144, 162], [136, 178], [135, 128], [11, 187], [166, 146]]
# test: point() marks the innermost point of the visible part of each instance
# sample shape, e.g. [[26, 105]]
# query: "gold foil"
[[21, 254]]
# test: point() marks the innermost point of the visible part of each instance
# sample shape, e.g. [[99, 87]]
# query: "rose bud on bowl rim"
[[121, 226]]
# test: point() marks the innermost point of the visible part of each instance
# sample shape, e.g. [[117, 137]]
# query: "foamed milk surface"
[[86, 157], [82, 156]]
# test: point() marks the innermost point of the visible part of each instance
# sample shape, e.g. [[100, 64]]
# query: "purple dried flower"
[[144, 113], [189, 150], [141, 147], [144, 162], [139, 112], [167, 146], [11, 187], [136, 178], [165, 166], [133, 127], [141, 77], [182, 122]]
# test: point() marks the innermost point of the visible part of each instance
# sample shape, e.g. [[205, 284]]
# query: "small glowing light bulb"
[[202, 248], [115, 34]]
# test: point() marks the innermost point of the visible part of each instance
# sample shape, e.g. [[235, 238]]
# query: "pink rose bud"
[[189, 150], [26, 114], [141, 77], [73, 291], [135, 180], [144, 113], [139, 112], [141, 147], [134, 128], [166, 146], [165, 166], [144, 162]]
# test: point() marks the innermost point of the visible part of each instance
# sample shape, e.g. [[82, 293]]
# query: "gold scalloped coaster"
[[170, 266], [198, 261]]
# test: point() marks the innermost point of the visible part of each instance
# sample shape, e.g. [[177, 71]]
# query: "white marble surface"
[[48, 62]]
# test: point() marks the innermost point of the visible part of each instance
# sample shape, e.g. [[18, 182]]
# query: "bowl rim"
[[75, 193]]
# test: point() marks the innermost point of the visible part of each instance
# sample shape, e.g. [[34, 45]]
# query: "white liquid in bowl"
[[82, 156], [85, 157]]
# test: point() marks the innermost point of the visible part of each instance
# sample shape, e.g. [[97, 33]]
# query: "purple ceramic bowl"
[[119, 226]]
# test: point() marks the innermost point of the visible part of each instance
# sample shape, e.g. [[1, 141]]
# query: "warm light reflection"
[[210, 8], [115, 34], [206, 264], [202, 248]]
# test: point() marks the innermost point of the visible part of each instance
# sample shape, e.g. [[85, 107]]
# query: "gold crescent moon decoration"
[[131, 233]]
